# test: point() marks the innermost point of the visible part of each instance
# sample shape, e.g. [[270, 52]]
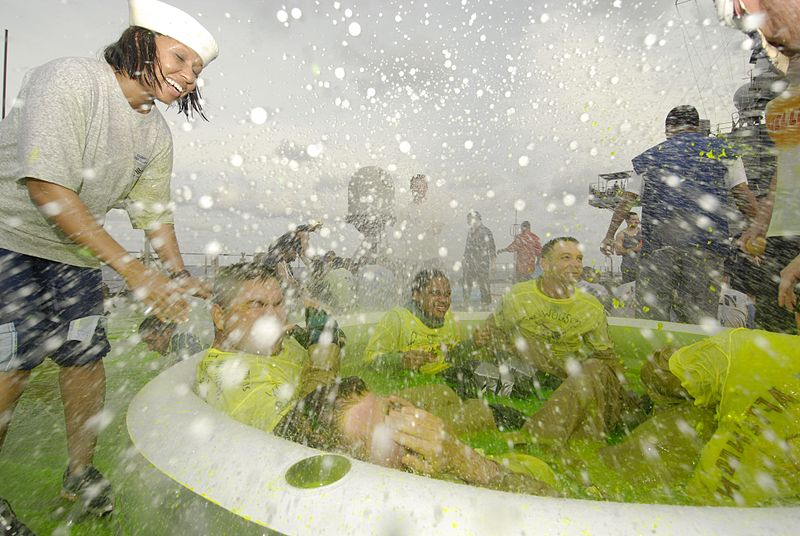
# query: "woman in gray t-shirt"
[[83, 137]]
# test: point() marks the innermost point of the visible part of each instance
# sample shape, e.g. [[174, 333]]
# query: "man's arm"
[[432, 451], [619, 248], [759, 226], [790, 277], [745, 201], [64, 209], [620, 211]]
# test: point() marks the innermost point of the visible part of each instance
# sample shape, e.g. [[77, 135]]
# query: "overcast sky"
[[504, 105]]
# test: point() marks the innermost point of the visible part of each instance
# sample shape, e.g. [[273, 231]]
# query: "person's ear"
[[217, 317]]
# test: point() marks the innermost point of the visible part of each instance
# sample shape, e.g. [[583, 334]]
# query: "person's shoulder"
[[70, 73], [585, 297], [525, 290], [394, 314]]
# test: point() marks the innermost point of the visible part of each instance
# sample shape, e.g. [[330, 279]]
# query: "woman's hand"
[[193, 286], [162, 295]]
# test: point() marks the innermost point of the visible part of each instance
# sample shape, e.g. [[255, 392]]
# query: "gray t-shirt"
[[71, 125]]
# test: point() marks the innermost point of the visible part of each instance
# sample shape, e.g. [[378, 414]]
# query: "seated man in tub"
[[258, 364], [555, 336], [390, 431], [727, 420], [261, 377], [418, 335], [423, 337]]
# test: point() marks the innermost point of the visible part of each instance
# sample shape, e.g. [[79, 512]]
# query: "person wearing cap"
[[479, 257], [775, 233], [527, 248], [683, 185], [416, 239], [85, 136]]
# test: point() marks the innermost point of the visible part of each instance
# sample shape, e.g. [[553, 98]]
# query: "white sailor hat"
[[171, 21]]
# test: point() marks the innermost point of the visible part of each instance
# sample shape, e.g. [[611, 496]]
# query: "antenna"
[[5, 72]]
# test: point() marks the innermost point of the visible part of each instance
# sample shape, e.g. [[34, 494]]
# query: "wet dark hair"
[[424, 277], [313, 420], [228, 281], [286, 243], [135, 55], [630, 215], [525, 225], [683, 116], [548, 247], [151, 324]]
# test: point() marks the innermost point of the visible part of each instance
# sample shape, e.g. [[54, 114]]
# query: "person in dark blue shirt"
[[683, 185]]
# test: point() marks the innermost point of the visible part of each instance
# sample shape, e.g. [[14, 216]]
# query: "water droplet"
[[258, 115], [354, 29], [405, 147], [568, 200], [213, 248], [314, 150], [282, 16], [237, 160], [205, 202], [519, 205], [339, 73], [524, 160]]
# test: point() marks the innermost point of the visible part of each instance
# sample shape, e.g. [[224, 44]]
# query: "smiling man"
[[417, 336], [561, 333], [549, 321], [255, 370]]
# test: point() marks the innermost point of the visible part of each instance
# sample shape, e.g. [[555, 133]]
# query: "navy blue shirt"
[[684, 195]]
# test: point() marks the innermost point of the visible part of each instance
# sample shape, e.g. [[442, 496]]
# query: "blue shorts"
[[49, 309]]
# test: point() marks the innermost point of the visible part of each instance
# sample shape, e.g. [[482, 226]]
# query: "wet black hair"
[[313, 420], [683, 116], [424, 277], [548, 247], [525, 225], [135, 55], [228, 281], [151, 324]]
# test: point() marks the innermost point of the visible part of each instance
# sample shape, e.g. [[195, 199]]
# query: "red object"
[[527, 248]]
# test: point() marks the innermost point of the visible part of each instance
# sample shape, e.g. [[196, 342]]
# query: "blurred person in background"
[[527, 248], [479, 257]]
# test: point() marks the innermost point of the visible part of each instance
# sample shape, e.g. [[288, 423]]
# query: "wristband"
[[180, 275]]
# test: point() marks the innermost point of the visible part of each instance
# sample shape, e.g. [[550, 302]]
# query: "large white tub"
[[244, 470]]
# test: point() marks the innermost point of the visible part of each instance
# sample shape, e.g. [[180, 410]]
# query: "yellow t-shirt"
[[254, 389], [574, 327], [752, 377], [400, 331]]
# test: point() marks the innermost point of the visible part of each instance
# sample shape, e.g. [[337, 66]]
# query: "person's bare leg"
[[83, 392], [12, 384]]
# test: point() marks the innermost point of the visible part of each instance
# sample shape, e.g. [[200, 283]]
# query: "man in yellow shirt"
[[423, 337], [259, 376], [560, 333], [419, 335], [254, 371], [749, 381]]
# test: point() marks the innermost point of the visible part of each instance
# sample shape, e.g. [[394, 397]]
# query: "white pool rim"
[[242, 469]]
